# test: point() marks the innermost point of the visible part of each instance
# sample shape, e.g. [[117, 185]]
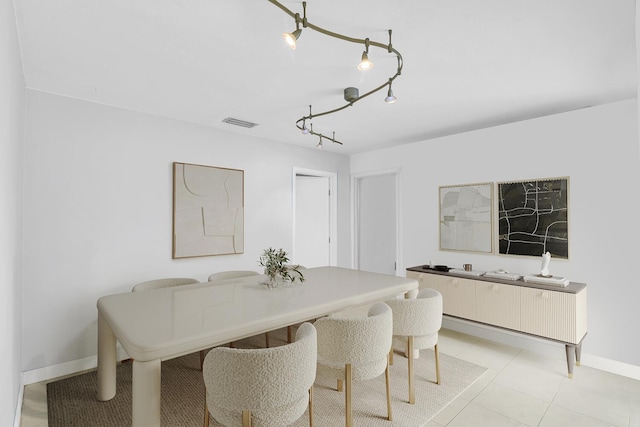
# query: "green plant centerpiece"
[[275, 263]]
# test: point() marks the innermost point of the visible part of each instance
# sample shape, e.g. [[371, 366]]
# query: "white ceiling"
[[468, 64]]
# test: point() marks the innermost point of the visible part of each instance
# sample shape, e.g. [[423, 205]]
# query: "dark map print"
[[533, 218]]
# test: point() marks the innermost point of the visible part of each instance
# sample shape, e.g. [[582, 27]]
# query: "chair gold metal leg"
[[206, 411], [232, 345], [347, 396], [386, 377], [246, 418], [339, 384], [435, 349], [311, 406], [412, 386], [289, 335], [391, 356], [266, 338], [201, 359]]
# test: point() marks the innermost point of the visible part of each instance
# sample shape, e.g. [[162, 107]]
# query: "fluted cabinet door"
[[498, 304], [458, 295], [556, 315]]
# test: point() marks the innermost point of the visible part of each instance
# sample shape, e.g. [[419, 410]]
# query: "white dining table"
[[162, 324]]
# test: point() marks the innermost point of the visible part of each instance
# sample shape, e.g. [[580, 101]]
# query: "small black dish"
[[441, 268]]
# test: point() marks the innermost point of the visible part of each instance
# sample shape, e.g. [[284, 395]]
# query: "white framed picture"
[[466, 217], [208, 210]]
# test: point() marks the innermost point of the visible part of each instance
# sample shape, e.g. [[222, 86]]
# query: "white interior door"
[[376, 225], [312, 221]]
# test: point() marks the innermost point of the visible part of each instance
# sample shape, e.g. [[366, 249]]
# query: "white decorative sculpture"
[[546, 257]]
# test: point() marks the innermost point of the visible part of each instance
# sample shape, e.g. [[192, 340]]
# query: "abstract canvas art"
[[208, 210], [466, 213], [533, 217]]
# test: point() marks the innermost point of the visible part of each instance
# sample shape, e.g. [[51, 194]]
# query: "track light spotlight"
[[305, 130], [390, 99], [365, 64], [291, 38], [319, 146]]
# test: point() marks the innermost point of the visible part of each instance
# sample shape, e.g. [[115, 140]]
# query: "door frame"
[[355, 196], [333, 209]]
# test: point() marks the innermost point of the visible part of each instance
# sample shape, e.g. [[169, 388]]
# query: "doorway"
[[314, 218], [375, 222]]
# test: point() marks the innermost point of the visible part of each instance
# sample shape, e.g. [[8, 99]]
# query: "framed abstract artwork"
[[208, 210], [533, 217], [466, 218]]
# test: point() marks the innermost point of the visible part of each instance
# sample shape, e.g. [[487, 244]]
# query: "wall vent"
[[238, 122]]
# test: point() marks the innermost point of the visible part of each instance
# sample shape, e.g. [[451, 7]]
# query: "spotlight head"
[[291, 38], [365, 64], [390, 99]]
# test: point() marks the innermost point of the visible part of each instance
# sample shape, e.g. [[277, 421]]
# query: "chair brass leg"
[[266, 338], [435, 349], [289, 335], [412, 385], [201, 359], [339, 385], [347, 396], [391, 356], [246, 418], [232, 345], [311, 406], [386, 377], [206, 411]]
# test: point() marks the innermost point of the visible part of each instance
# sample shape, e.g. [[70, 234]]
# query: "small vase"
[[273, 281]]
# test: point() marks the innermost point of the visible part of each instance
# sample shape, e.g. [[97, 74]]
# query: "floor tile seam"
[[499, 413], [525, 393], [589, 415]]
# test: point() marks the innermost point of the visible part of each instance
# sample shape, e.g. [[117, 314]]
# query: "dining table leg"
[[146, 393], [106, 389]]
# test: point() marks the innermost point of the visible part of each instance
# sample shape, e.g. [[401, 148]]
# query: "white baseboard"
[[18, 413], [514, 339], [63, 369], [537, 345], [613, 366]]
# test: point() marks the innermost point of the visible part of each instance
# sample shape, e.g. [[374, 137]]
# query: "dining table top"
[[169, 322]]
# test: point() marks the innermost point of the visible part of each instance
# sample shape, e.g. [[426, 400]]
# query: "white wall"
[[98, 203], [12, 100], [598, 149]]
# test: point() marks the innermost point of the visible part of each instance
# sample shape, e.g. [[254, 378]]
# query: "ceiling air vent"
[[238, 122]]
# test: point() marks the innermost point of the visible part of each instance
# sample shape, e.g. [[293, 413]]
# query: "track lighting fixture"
[[305, 129], [390, 99], [351, 94], [292, 38], [365, 64]]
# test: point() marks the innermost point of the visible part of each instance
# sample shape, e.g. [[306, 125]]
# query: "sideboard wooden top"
[[572, 287]]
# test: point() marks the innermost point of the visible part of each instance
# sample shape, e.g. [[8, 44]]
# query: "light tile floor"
[[521, 388]]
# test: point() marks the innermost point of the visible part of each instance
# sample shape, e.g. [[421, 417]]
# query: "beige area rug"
[[72, 401]]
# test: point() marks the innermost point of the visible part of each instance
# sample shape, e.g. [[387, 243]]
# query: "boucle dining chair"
[[163, 283], [416, 322], [231, 274], [355, 349], [264, 386]]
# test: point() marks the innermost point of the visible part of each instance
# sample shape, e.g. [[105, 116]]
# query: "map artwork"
[[533, 217]]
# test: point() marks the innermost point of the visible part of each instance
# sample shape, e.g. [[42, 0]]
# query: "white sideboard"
[[546, 311]]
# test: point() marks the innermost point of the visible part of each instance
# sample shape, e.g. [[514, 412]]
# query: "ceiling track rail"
[[301, 122]]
